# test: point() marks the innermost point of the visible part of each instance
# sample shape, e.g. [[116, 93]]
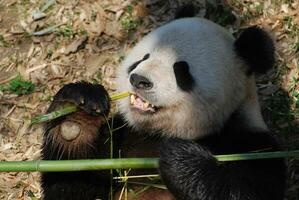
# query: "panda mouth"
[[142, 104]]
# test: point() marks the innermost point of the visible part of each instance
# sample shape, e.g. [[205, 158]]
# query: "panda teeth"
[[146, 104], [141, 103], [132, 99]]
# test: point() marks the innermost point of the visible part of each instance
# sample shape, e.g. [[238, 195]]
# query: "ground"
[[46, 44]]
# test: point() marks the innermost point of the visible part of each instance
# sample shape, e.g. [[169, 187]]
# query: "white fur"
[[219, 77]]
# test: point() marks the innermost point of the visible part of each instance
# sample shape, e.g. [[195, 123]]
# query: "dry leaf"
[[76, 45], [95, 62]]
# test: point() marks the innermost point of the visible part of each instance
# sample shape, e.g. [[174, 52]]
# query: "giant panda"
[[193, 95]]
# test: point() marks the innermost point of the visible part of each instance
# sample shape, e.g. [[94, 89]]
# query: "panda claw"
[[98, 111], [91, 98], [82, 101]]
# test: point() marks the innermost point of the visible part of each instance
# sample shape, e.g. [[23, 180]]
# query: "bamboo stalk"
[[70, 109], [118, 96], [121, 163], [53, 115], [77, 165], [255, 156]]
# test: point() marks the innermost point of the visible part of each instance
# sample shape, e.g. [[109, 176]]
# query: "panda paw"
[[76, 136], [184, 165], [91, 98]]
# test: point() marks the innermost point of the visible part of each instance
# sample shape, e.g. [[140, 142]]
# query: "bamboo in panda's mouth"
[[141, 104], [70, 109]]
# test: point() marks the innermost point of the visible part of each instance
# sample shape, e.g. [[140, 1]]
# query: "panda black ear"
[[256, 47]]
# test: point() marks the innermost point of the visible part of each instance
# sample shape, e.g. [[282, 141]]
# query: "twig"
[[46, 31], [39, 14]]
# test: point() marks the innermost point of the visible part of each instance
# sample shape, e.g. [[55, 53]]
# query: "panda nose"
[[140, 82]]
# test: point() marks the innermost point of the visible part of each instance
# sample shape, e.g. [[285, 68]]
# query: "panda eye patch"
[[135, 64], [183, 77]]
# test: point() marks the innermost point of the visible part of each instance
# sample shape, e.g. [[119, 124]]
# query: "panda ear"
[[256, 47]]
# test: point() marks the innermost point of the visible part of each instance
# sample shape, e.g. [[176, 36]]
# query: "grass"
[[65, 31], [31, 195], [127, 21], [18, 86], [3, 42], [296, 47]]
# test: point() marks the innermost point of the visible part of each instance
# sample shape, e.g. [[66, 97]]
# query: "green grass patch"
[[127, 21], [3, 42], [65, 31], [296, 47], [258, 8], [291, 27], [18, 86]]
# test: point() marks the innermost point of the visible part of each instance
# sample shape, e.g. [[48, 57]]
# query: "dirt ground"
[[50, 43]]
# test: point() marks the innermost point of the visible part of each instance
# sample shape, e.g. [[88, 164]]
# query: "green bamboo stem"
[[70, 109], [255, 156], [123, 163], [118, 96], [77, 165], [53, 115]]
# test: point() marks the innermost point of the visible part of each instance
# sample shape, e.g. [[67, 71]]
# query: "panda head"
[[189, 76]]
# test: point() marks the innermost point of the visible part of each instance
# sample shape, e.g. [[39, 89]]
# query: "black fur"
[[87, 185], [183, 77], [86, 96], [191, 172], [77, 185], [187, 10], [188, 168], [257, 49], [135, 64]]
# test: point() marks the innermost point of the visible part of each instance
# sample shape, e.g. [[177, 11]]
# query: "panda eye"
[[183, 77], [135, 64], [146, 56]]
